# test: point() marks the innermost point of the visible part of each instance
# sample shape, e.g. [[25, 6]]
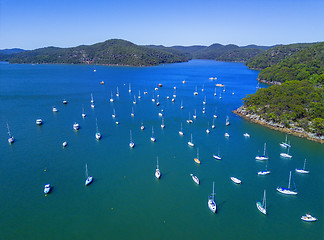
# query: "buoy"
[[44, 170], [45, 195], [160, 85]]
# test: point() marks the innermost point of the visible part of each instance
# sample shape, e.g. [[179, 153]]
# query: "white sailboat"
[[262, 206], [207, 130], [83, 113], [236, 180], [220, 95], [189, 120], [162, 125], [195, 115], [195, 92], [181, 132], [190, 143], [153, 138], [89, 179], [132, 113], [215, 115], [98, 134], [227, 123], [181, 107], [286, 155], [308, 218], [142, 126], [114, 113], [157, 171], [195, 179], [11, 139], [264, 156], [204, 102], [92, 102], [139, 94], [129, 88], [153, 99], [64, 102], [47, 188], [302, 170], [246, 135], [211, 200], [131, 143], [76, 126], [134, 101], [265, 172], [215, 92], [285, 144], [55, 109], [202, 89], [287, 190], [39, 121], [111, 97], [213, 126], [218, 157], [117, 93]]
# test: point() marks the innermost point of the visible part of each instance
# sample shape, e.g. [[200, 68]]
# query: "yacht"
[[211, 200], [287, 190], [213, 126], [190, 143], [83, 113], [227, 121], [286, 155], [218, 157], [302, 170], [64, 144], [195, 115], [131, 143], [134, 101], [111, 97], [196, 93], [76, 126], [181, 107], [142, 126], [226, 135], [132, 114], [157, 171], [64, 101], [189, 120], [129, 88], [117, 93], [181, 132], [202, 88], [55, 109], [89, 178], [139, 94], [285, 144], [92, 101], [204, 102], [160, 114], [47, 188], [246, 135], [162, 125], [215, 92], [262, 206], [98, 134], [236, 180], [308, 218], [197, 158], [207, 130], [173, 100], [11, 139], [114, 113], [39, 121], [264, 156], [195, 178], [153, 138]]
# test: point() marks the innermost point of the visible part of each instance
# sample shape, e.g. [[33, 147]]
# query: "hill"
[[112, 52], [11, 51]]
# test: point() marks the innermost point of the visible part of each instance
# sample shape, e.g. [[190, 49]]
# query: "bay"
[[126, 201]]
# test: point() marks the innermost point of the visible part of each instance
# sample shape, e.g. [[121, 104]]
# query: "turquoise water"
[[126, 201]]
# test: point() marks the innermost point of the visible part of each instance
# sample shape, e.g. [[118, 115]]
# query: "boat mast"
[[264, 202], [264, 151], [289, 180], [197, 153], [304, 164], [213, 190], [86, 171], [157, 162], [9, 133], [152, 131]]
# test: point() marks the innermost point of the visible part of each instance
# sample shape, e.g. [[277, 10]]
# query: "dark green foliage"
[[115, 52], [293, 101]]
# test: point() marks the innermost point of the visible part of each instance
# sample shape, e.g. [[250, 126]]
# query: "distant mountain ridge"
[[121, 52]]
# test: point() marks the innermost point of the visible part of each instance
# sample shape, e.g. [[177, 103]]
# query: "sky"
[[31, 24]]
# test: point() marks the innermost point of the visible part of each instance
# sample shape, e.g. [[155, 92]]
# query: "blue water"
[[125, 201]]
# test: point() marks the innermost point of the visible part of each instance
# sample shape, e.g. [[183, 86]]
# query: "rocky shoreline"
[[296, 131]]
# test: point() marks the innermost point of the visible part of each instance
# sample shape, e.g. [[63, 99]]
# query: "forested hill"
[[306, 63], [112, 52]]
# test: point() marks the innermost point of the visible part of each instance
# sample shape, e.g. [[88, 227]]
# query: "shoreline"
[[242, 112]]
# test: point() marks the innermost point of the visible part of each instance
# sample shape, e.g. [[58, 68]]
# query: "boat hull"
[[236, 180], [261, 208], [286, 191], [212, 205]]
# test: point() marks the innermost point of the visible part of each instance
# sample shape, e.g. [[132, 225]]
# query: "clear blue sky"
[[31, 24]]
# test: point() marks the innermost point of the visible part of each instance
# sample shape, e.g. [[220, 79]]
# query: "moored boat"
[[236, 180]]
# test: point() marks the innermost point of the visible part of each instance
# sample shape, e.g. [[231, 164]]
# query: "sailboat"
[[202, 88], [211, 200], [266, 170], [139, 94], [197, 159], [92, 102], [215, 115], [195, 115], [134, 101], [181, 107], [190, 143], [117, 93], [47, 188], [11, 139], [196, 93], [98, 134], [213, 126], [83, 113], [287, 190], [215, 92], [89, 178], [302, 170], [207, 130], [285, 144], [218, 157], [204, 102], [129, 88], [262, 206], [55, 109], [132, 113], [76, 126], [189, 120], [181, 132], [157, 171], [286, 155], [264, 156], [195, 178], [131, 143], [142, 126], [162, 125], [153, 99], [308, 218], [111, 97], [153, 138], [220, 95], [114, 113], [227, 121]]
